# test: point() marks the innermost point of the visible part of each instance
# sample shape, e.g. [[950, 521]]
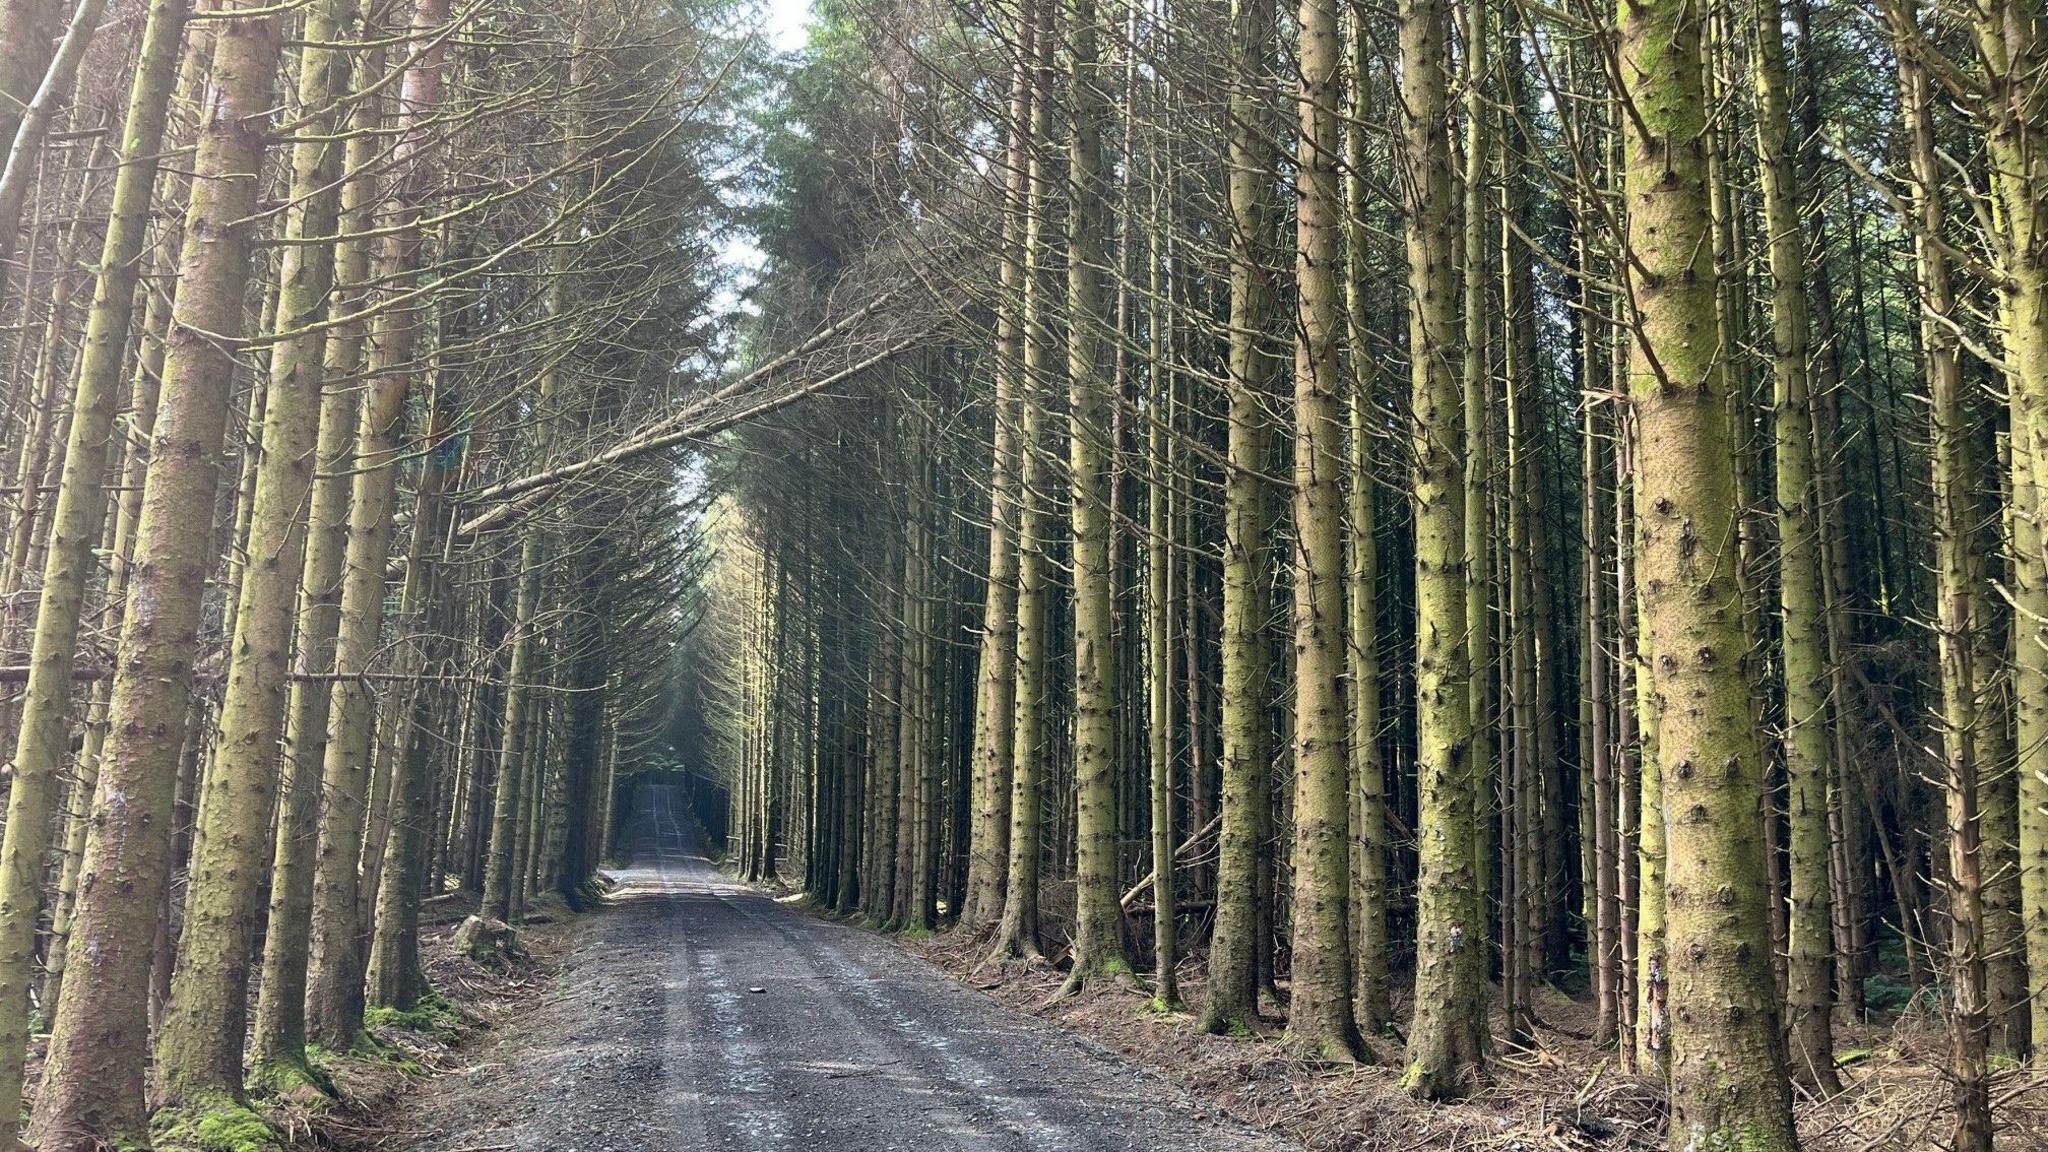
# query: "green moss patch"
[[369, 1048], [298, 1081], [213, 1124], [1160, 1006], [430, 1015]]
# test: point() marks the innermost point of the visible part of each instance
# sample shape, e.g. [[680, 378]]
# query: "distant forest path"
[[699, 1014]]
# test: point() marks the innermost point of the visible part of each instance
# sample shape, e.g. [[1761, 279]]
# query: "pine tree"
[[1728, 1085], [278, 1040], [1447, 1037], [1801, 601], [334, 993], [1233, 992], [200, 1043], [1320, 1012], [1099, 945]]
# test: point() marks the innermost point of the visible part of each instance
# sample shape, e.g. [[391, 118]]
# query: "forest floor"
[[694, 1013], [1560, 1094]]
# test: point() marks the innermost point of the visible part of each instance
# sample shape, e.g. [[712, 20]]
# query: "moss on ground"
[[369, 1049], [1160, 1006], [430, 1015], [288, 1079], [212, 1124]]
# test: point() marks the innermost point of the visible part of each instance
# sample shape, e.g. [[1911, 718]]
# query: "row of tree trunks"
[[177, 745]]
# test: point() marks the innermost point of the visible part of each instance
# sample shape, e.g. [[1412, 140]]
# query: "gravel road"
[[697, 1015]]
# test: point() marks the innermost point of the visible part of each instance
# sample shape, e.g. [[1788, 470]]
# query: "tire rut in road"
[[963, 1104]]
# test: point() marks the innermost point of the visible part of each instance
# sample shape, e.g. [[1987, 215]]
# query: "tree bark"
[[1728, 1086], [1233, 989], [77, 523], [996, 686], [1099, 946], [278, 1043], [1447, 1037], [1802, 606], [393, 978], [1319, 1019]]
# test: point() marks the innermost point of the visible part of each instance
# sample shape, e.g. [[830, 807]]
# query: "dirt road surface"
[[697, 1015]]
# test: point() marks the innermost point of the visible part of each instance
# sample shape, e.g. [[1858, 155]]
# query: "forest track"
[[699, 1015]]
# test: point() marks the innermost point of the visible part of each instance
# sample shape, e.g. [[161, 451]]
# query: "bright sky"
[[784, 24], [784, 21]]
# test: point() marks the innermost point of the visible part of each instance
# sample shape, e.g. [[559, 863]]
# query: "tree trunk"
[[279, 1041], [1319, 1020], [33, 81], [1233, 989], [996, 686], [1728, 1085], [1099, 946], [1162, 569], [393, 978], [1473, 280], [1447, 1037], [1802, 606], [1371, 998]]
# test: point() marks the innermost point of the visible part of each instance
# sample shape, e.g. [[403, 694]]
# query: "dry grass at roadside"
[[406, 1051]]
